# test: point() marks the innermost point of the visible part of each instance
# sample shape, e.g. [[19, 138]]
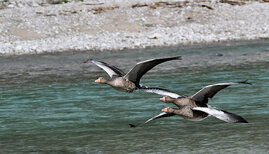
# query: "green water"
[[50, 104]]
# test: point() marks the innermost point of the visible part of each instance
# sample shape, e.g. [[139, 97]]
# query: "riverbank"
[[220, 56], [33, 28]]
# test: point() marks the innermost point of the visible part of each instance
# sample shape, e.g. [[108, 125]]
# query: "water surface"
[[50, 103]]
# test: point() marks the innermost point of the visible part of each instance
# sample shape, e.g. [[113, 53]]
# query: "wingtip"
[[132, 125], [242, 121], [245, 121], [87, 60], [245, 82], [178, 57]]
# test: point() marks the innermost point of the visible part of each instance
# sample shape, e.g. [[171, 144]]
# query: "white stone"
[[86, 31]]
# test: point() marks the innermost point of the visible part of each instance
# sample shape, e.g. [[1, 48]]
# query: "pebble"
[[219, 54], [155, 36], [18, 48], [146, 27]]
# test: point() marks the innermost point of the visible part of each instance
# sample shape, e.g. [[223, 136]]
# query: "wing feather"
[[112, 71], [161, 115], [209, 91], [162, 92], [143, 67], [221, 114]]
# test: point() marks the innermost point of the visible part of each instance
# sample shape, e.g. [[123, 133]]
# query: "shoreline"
[[120, 25], [26, 68], [221, 56]]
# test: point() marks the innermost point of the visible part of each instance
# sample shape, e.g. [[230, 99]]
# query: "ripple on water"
[[65, 111]]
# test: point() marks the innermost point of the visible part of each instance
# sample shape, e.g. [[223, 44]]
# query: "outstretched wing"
[[162, 92], [143, 67], [161, 115], [221, 114], [209, 91], [112, 71]]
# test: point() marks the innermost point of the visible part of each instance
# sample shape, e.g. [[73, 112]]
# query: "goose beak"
[[98, 80], [162, 99], [164, 110]]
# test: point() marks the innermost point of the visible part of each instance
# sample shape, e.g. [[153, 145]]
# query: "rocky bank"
[[39, 26]]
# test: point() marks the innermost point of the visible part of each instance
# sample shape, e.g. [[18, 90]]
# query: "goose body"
[[185, 109], [187, 113], [122, 84], [195, 107], [130, 81]]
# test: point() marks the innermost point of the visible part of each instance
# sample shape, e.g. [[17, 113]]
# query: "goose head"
[[101, 80], [167, 99], [168, 110]]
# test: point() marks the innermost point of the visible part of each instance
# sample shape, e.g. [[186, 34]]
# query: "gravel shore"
[[38, 26]]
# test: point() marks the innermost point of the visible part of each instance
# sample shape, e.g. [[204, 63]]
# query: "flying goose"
[[128, 82], [195, 107]]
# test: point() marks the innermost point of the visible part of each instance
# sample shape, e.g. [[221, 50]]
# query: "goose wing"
[[112, 71], [221, 114], [143, 67], [209, 91], [161, 115], [162, 92]]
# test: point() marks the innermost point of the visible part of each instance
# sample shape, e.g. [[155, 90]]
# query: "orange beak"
[[98, 80], [164, 110], [162, 99]]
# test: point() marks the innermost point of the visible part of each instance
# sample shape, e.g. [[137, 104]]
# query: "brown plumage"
[[128, 82], [187, 113], [184, 109], [195, 107], [119, 83]]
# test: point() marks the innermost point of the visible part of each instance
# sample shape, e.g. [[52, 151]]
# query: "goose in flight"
[[128, 82], [195, 107]]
